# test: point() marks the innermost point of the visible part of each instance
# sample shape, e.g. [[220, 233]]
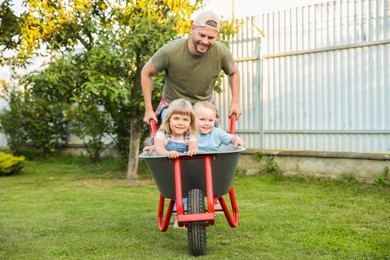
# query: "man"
[[191, 67]]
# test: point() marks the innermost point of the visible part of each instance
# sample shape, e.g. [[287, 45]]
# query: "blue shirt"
[[212, 141]]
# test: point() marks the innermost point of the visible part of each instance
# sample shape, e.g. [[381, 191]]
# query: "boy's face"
[[205, 119]]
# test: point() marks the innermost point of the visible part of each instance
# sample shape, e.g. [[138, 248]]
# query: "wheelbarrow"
[[195, 177]]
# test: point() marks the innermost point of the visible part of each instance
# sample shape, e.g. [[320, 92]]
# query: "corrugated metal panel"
[[325, 78], [246, 49]]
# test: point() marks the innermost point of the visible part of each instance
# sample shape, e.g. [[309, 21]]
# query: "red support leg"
[[164, 224], [233, 222]]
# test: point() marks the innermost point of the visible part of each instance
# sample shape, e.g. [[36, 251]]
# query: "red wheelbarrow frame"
[[208, 217]]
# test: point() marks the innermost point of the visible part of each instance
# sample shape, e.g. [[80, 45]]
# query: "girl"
[[177, 132]]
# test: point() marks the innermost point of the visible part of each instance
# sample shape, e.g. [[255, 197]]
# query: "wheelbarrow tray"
[[223, 165]]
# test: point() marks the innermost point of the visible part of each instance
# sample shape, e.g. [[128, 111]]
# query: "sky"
[[242, 8]]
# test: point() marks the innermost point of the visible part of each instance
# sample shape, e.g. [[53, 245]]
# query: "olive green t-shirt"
[[188, 76]]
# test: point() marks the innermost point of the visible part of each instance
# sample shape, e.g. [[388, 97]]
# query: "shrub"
[[33, 120], [91, 124], [45, 126], [10, 164], [383, 181], [13, 123]]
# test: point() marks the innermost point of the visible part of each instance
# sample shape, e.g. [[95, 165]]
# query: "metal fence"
[[319, 79]]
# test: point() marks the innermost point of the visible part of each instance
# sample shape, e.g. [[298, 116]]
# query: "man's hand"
[[235, 109], [149, 114]]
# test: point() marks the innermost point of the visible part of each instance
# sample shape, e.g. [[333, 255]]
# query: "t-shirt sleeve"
[[225, 137], [160, 135], [227, 60], [160, 59]]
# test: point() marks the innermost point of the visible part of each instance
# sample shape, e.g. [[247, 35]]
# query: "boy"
[[211, 137]]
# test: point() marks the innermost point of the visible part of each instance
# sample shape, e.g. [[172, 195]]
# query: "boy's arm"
[[237, 141]]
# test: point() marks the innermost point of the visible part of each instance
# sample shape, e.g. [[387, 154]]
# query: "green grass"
[[65, 209]]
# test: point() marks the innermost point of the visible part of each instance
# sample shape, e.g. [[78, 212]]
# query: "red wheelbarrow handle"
[[152, 127], [232, 123]]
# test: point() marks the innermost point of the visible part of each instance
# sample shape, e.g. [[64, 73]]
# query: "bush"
[[10, 164], [383, 181], [13, 123], [91, 124]]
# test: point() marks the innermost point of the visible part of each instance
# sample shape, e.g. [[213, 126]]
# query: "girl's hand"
[[192, 148], [192, 152], [173, 154], [149, 149]]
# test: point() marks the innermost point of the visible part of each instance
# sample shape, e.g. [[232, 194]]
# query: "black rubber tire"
[[196, 230]]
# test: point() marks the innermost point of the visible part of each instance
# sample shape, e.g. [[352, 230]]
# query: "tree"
[[110, 41], [9, 31]]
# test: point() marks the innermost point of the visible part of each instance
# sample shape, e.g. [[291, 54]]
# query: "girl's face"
[[205, 120], [179, 124]]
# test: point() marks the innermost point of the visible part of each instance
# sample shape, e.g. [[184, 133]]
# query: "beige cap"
[[208, 19]]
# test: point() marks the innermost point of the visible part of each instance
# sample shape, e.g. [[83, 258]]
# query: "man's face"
[[205, 120], [203, 38]]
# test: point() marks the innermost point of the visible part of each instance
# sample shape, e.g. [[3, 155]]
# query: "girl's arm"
[[159, 147], [192, 147]]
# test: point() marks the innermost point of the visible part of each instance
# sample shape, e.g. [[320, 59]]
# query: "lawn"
[[63, 208]]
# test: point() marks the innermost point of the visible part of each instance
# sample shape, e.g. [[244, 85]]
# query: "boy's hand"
[[237, 141]]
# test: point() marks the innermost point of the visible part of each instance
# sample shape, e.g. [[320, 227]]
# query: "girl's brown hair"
[[182, 107]]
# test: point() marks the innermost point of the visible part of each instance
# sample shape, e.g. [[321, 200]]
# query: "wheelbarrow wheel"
[[196, 230]]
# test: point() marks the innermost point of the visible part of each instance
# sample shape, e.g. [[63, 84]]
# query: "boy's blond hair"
[[205, 104], [182, 107]]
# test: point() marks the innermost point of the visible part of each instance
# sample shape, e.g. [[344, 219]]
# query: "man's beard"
[[197, 45]]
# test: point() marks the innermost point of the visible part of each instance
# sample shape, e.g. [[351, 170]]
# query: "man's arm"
[[234, 82], [146, 82]]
